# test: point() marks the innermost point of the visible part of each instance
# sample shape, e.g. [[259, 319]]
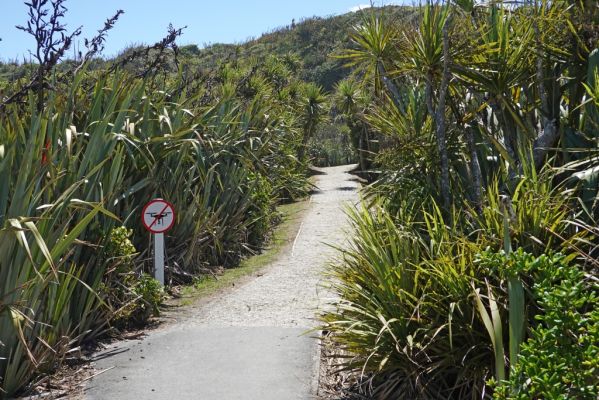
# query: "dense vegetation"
[[308, 48], [472, 271], [83, 145]]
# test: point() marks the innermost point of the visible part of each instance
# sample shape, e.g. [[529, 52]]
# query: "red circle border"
[[143, 212]]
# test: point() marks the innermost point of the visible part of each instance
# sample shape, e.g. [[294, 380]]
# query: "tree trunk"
[[364, 149], [395, 96], [440, 121], [475, 171], [509, 133], [546, 140], [549, 135], [362, 161], [307, 134]]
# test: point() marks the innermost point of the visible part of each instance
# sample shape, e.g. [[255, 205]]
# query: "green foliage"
[[312, 104], [132, 298], [330, 146], [372, 47], [421, 311], [261, 212], [306, 46], [150, 294], [540, 215], [104, 144], [351, 101], [119, 245], [405, 312], [560, 358]]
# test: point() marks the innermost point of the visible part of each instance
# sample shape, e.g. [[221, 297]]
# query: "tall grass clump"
[[46, 302], [478, 227], [77, 166], [423, 310], [404, 319]]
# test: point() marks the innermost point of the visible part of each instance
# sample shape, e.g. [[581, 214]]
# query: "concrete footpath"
[[250, 343]]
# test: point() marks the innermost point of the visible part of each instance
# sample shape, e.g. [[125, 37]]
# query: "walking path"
[[247, 344]]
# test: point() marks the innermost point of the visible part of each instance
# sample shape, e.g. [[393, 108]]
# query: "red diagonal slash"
[[158, 216]]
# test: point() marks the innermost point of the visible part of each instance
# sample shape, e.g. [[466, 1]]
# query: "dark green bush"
[[560, 359], [133, 297], [149, 297]]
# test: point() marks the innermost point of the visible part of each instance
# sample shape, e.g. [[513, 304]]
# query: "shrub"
[[132, 297], [405, 313], [261, 212], [411, 311], [150, 295], [560, 359], [119, 247]]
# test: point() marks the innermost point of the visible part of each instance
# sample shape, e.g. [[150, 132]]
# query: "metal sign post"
[[158, 216], [159, 257]]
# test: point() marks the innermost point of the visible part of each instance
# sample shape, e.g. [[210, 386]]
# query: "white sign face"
[[158, 216]]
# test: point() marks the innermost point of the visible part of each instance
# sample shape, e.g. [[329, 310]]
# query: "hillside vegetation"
[[309, 46], [312, 44]]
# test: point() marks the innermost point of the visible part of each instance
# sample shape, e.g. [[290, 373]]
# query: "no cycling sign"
[[158, 216]]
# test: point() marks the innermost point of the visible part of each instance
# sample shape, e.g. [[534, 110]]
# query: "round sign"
[[158, 216]]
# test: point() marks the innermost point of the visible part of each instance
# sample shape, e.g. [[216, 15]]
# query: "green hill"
[[310, 44], [312, 41]]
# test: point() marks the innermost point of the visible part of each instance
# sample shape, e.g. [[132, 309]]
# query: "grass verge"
[[283, 236]]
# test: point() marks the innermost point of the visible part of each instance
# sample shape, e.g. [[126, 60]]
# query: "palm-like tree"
[[426, 56], [351, 100], [312, 112], [501, 61], [374, 52]]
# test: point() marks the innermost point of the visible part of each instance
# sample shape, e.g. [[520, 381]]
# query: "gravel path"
[[249, 343], [289, 294]]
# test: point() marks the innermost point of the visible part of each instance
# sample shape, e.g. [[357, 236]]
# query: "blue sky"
[[145, 21]]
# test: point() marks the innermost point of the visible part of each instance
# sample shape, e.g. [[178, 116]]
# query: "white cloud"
[[382, 3], [359, 7]]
